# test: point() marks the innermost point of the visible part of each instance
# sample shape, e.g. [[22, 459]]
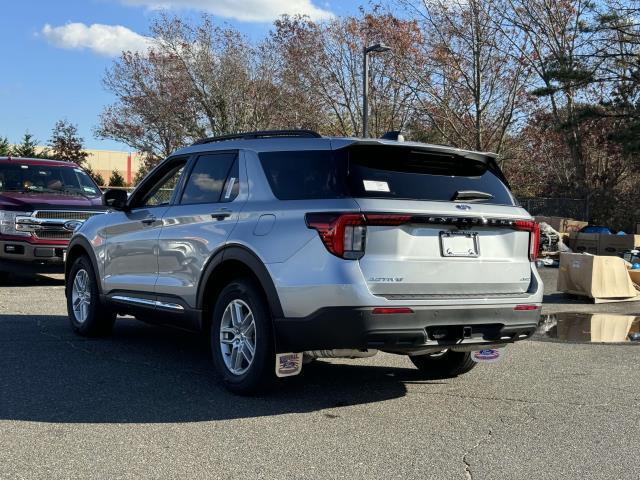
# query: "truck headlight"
[[8, 223]]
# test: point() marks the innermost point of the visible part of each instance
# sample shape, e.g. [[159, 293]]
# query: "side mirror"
[[115, 198]]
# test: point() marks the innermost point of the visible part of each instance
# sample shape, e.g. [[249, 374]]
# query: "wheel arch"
[[234, 262], [77, 247]]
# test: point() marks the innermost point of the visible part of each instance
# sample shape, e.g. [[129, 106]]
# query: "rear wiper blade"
[[471, 195]]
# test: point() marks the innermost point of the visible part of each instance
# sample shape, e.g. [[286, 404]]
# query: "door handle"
[[149, 220], [221, 214]]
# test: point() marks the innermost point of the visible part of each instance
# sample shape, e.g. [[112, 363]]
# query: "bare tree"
[[550, 37], [66, 144], [470, 89], [322, 69], [154, 112]]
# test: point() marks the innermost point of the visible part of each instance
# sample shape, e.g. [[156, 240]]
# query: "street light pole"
[[379, 48], [365, 94]]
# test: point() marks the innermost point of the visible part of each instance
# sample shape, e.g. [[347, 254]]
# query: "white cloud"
[[244, 10], [108, 40]]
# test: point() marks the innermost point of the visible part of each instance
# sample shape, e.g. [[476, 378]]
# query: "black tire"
[[260, 373], [99, 319], [446, 365]]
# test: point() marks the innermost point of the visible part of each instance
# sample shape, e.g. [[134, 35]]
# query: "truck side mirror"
[[115, 198]]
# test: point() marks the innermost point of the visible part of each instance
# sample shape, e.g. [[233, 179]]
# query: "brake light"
[[343, 234], [391, 220], [525, 308], [534, 235], [391, 310]]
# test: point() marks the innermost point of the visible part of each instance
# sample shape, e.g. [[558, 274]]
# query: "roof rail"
[[261, 134]]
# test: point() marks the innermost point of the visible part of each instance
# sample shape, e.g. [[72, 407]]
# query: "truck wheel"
[[88, 317], [242, 339], [443, 365]]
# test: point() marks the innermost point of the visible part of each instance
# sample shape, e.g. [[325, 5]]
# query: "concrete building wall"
[[106, 161]]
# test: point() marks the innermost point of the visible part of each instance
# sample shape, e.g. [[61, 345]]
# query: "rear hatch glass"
[[381, 171]]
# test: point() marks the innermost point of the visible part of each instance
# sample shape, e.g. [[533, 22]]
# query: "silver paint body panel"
[[169, 256]]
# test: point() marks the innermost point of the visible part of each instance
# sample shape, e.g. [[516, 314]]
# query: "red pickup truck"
[[42, 202]]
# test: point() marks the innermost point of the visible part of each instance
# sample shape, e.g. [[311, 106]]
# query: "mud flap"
[[288, 364]]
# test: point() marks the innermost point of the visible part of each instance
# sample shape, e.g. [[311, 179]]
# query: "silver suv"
[[285, 246]]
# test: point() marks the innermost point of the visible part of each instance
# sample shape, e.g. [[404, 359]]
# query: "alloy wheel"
[[238, 337], [81, 296]]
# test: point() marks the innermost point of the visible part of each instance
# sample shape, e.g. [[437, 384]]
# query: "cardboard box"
[[584, 243], [561, 224], [569, 225], [635, 276], [604, 279], [616, 244]]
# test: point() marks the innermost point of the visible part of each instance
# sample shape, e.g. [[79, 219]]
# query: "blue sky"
[[52, 69]]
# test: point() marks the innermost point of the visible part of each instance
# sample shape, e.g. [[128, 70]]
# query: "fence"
[[557, 207]]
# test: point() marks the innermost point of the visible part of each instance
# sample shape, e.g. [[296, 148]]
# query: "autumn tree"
[[470, 90], [66, 144], [153, 112], [322, 70]]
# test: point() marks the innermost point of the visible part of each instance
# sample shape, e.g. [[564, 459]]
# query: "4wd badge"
[[288, 364]]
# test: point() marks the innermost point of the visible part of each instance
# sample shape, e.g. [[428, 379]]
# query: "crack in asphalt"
[[468, 474]]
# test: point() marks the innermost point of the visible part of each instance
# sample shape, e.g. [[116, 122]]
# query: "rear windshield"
[[47, 179], [383, 172]]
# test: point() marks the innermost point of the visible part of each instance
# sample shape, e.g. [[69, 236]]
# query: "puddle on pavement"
[[589, 328]]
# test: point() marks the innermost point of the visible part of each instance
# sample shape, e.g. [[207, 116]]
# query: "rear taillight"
[[534, 236], [343, 234]]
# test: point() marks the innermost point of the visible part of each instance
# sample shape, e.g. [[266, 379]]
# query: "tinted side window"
[[303, 174], [207, 181]]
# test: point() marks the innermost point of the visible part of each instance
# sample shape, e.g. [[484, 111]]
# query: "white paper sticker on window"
[[375, 186], [227, 193]]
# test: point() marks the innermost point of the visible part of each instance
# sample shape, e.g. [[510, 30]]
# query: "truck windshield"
[[62, 180]]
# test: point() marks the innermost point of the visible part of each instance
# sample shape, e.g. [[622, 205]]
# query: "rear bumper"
[[20, 256], [424, 329]]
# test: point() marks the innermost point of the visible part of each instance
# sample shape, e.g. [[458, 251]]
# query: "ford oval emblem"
[[463, 207], [72, 225]]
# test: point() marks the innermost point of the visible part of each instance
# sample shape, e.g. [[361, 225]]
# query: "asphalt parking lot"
[[144, 404]]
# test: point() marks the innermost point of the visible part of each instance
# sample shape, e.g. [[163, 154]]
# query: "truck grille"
[[63, 215], [53, 235], [52, 224]]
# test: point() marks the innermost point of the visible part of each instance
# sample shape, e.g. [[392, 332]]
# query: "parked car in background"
[[42, 202], [279, 243]]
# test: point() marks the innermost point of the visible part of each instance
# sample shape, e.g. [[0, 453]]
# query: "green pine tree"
[[5, 148], [26, 149], [117, 180]]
